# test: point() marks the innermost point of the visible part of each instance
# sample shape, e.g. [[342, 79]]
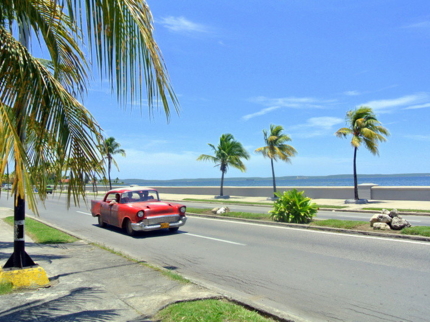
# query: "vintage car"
[[137, 209]]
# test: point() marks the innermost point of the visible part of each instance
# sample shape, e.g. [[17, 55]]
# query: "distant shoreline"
[[411, 179]]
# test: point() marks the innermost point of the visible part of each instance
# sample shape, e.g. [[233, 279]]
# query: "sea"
[[422, 179]]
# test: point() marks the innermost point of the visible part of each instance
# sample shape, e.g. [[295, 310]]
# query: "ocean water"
[[386, 180]]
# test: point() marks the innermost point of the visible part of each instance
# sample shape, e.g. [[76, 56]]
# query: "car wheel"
[[128, 229], [100, 220], [174, 230]]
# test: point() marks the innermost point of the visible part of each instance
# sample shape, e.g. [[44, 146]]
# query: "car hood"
[[157, 208]]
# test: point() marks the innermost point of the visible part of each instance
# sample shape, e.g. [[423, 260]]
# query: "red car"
[[138, 209]]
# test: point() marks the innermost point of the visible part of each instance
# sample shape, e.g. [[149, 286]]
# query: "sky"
[[239, 66]]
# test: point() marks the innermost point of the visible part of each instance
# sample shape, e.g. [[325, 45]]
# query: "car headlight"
[[140, 213], [182, 209]]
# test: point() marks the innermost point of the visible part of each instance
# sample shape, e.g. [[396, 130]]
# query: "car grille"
[[160, 219]]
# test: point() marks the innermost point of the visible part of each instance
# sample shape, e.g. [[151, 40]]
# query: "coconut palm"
[[364, 128], [229, 152], [276, 148], [112, 147], [41, 120]]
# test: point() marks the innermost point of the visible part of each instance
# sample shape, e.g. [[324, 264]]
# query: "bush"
[[294, 207]]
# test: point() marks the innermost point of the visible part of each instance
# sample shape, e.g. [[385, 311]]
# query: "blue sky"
[[239, 66]]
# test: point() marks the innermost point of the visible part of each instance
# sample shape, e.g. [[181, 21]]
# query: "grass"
[[6, 288], [336, 223], [224, 201], [208, 311], [43, 234], [418, 230], [399, 210], [331, 207], [233, 214]]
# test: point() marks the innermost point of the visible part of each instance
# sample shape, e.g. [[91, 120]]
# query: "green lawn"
[[208, 311], [43, 234]]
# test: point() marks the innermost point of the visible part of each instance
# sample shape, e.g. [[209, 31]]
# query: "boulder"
[[222, 210], [399, 223], [382, 218], [214, 210], [381, 226], [393, 213]]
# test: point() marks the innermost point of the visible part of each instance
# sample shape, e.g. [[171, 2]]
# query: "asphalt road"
[[317, 276]]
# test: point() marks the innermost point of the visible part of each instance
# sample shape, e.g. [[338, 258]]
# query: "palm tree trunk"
[[19, 258], [273, 177], [355, 175], [109, 165], [222, 183]]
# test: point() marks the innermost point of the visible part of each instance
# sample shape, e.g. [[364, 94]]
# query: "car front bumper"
[[159, 222]]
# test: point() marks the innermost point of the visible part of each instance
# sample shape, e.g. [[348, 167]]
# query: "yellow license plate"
[[164, 225]]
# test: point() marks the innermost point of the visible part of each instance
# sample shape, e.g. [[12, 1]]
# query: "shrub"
[[294, 207]]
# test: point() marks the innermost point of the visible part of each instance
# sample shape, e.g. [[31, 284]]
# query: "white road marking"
[[319, 232], [85, 213], [216, 239]]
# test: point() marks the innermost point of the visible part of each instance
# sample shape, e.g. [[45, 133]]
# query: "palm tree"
[[364, 128], [41, 119], [229, 152], [111, 147], [276, 148]]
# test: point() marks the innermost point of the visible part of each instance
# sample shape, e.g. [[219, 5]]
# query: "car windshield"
[[139, 196]]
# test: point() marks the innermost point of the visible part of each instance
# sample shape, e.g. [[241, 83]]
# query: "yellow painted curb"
[[25, 277]]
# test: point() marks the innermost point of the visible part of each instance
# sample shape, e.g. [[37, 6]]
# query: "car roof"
[[131, 188]]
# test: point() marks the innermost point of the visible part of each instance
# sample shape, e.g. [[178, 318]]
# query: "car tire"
[[173, 230], [102, 224], [128, 229]]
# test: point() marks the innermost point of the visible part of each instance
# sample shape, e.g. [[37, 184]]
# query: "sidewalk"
[[89, 284]]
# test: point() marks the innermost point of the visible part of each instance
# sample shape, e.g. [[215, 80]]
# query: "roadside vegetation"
[[43, 234], [208, 311]]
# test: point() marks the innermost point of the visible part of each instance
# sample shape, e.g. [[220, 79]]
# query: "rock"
[[222, 210], [393, 213], [399, 223], [381, 226], [214, 211], [382, 218]]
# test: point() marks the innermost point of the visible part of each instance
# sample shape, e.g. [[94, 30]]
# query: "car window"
[[111, 197]]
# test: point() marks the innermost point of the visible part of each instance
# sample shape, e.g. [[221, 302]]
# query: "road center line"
[[216, 239], [85, 213]]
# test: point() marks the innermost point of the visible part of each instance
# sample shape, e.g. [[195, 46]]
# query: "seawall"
[[366, 191]]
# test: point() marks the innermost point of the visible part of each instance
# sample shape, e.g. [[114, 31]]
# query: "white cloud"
[[352, 93], [387, 105], [285, 102], [422, 24], [293, 102], [181, 24], [259, 113], [316, 126], [418, 137], [417, 106]]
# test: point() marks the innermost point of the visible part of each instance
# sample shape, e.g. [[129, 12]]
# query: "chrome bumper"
[[154, 223]]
